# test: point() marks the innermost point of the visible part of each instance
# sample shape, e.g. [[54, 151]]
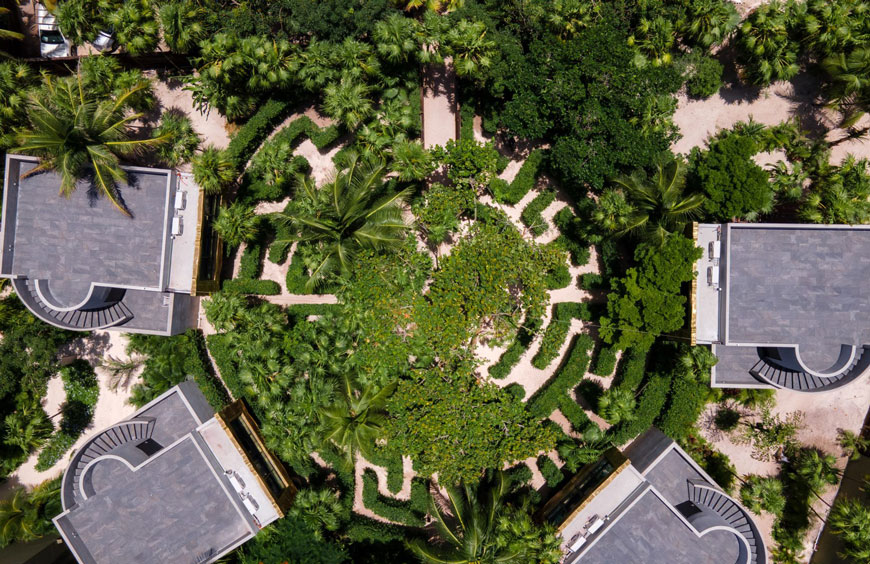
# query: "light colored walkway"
[[439, 105]]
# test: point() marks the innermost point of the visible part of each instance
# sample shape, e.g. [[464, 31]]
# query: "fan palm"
[[709, 22], [763, 494], [356, 421], [850, 520], [182, 25], [849, 88], [348, 103], [660, 206], [616, 404], [27, 428], [350, 213], [212, 170], [854, 444], [79, 137], [237, 224], [478, 529]]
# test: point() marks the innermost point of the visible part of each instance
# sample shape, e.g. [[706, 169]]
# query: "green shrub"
[[631, 369], [557, 330], [565, 378], [466, 120], [572, 411], [322, 138], [558, 278], [650, 405], [82, 390], [592, 281], [552, 474], [517, 391], [519, 475], [405, 512], [296, 276], [531, 215], [225, 359], [301, 311], [524, 180], [257, 287], [251, 264], [688, 399], [501, 163], [706, 77], [605, 362], [395, 468], [498, 187], [246, 141], [570, 236], [511, 356]]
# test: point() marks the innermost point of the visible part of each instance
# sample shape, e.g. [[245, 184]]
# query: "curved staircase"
[[80, 320], [134, 430], [733, 515], [768, 371]]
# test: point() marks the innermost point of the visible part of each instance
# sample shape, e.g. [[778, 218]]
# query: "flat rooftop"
[[172, 509], [73, 242], [804, 285]]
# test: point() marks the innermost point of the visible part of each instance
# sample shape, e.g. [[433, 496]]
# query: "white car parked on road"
[[52, 43]]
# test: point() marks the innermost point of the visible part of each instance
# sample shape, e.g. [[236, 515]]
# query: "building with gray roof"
[[784, 305], [648, 505], [79, 263], [174, 482]]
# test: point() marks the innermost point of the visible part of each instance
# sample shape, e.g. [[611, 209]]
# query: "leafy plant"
[[850, 521], [705, 78], [213, 170], [182, 140], [236, 224]]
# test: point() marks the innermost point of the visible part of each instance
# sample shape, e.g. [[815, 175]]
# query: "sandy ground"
[[111, 406], [212, 127], [439, 104]]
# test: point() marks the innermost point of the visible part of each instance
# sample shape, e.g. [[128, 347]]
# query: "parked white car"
[[105, 41], [52, 43]]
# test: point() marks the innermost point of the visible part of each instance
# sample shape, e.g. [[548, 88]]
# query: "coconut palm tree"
[[660, 206], [763, 494], [79, 137], [356, 421], [27, 516], [352, 212], [481, 529], [850, 520], [237, 224], [616, 404]]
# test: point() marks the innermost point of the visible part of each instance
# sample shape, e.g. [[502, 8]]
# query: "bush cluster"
[[251, 264], [82, 390], [570, 236], [408, 513], [549, 396], [524, 181], [531, 215], [706, 77], [557, 330], [558, 278], [605, 362], [224, 355], [649, 407], [688, 398], [592, 281], [632, 368], [552, 474], [246, 141], [511, 356], [257, 287], [393, 463]]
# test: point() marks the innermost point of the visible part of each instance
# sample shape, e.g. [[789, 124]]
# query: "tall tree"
[[850, 520], [356, 421]]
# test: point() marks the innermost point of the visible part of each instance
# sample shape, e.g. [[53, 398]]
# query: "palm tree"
[[25, 517], [616, 404], [467, 43], [348, 102], [763, 494], [411, 161], [396, 38], [765, 47], [854, 444], [27, 428], [182, 25], [224, 310], [848, 91], [182, 139], [654, 39], [481, 529], [709, 22], [817, 470], [357, 420], [79, 137], [135, 26], [850, 520], [660, 205], [350, 213], [212, 170], [237, 224], [319, 509]]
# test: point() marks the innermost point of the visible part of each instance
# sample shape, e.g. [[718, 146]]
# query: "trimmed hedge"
[[296, 276], [256, 190], [687, 400], [256, 287], [649, 407], [251, 264], [605, 362], [466, 120], [631, 369], [517, 391], [300, 311], [249, 138], [572, 411], [519, 475], [224, 358], [511, 356], [531, 215], [524, 181], [409, 513], [394, 466], [550, 471], [548, 397], [557, 330], [323, 137], [558, 278], [592, 281]]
